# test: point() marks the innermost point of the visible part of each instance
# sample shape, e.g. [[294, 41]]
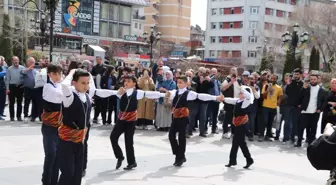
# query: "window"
[[113, 12], [212, 53], [231, 24], [113, 30], [271, 12], [240, 39], [221, 25], [136, 25], [214, 11], [139, 26], [232, 11], [252, 54], [103, 27], [253, 39], [253, 24], [213, 25], [104, 10], [230, 39], [220, 39], [125, 13], [241, 24], [213, 39], [242, 10], [124, 30], [254, 9], [221, 11]]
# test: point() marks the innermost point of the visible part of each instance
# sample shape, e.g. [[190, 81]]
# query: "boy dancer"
[[180, 113], [240, 118], [76, 115], [127, 118], [51, 120]]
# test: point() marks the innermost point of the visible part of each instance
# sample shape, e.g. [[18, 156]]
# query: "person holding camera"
[[253, 108], [204, 84], [272, 94]]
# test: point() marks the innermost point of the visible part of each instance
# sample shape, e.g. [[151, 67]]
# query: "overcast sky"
[[198, 13]]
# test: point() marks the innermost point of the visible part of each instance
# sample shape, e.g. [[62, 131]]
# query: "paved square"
[[21, 160]]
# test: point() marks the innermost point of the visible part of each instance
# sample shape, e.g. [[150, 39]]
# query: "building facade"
[[237, 28], [104, 23], [171, 18]]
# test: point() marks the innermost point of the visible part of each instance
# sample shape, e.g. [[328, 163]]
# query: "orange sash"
[[52, 119], [180, 112], [128, 116], [240, 120], [73, 135]]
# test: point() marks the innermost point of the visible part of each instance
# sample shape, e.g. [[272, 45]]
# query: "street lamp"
[[293, 40], [151, 39], [43, 27]]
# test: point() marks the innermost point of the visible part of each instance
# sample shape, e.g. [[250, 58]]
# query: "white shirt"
[[246, 101], [67, 81], [141, 94], [52, 92], [193, 95], [68, 95], [312, 105]]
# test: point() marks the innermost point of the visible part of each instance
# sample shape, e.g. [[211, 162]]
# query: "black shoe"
[[250, 138], [248, 163], [19, 119], [276, 138], [231, 164], [119, 163], [83, 173], [12, 119], [215, 132], [95, 121], [130, 166], [179, 163], [183, 160], [203, 135], [297, 145], [33, 120]]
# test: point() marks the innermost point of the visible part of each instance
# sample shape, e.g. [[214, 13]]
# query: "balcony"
[[139, 17]]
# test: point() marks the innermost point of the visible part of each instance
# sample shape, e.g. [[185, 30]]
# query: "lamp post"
[[42, 25], [151, 39], [293, 40]]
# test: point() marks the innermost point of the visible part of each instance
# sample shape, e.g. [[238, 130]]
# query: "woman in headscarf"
[[145, 106], [163, 117]]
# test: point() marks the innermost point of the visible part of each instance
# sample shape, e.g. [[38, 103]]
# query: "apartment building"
[[171, 18], [235, 29]]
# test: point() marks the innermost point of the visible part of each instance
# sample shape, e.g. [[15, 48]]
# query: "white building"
[[138, 21], [235, 29]]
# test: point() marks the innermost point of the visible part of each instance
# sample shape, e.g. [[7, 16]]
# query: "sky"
[[198, 13]]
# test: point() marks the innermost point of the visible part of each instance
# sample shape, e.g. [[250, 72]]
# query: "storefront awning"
[[97, 48], [133, 2]]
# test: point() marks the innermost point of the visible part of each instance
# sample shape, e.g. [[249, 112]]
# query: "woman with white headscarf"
[[163, 117]]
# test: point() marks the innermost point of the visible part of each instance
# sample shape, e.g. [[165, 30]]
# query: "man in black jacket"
[[311, 104], [204, 84], [293, 92], [97, 70]]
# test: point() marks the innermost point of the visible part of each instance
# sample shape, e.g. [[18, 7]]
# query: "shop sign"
[[134, 57], [132, 38], [105, 42], [90, 41]]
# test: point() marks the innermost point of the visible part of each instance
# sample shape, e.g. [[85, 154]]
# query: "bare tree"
[[320, 21]]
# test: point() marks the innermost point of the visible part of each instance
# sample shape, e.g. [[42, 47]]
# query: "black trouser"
[[128, 128], [39, 100], [179, 125], [98, 104], [308, 122], [71, 162], [213, 109], [268, 115], [15, 96], [86, 148], [228, 119], [50, 145], [30, 95], [107, 106], [239, 141]]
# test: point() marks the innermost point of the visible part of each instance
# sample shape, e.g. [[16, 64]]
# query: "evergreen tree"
[[314, 60], [298, 63], [263, 64], [5, 41], [288, 66]]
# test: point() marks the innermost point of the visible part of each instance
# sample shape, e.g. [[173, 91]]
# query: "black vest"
[[132, 105], [182, 100], [74, 115], [51, 107], [230, 91], [239, 111]]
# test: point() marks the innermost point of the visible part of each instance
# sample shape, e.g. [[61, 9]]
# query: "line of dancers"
[[66, 122]]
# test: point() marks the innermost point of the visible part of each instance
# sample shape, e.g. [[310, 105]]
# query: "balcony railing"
[[139, 17]]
